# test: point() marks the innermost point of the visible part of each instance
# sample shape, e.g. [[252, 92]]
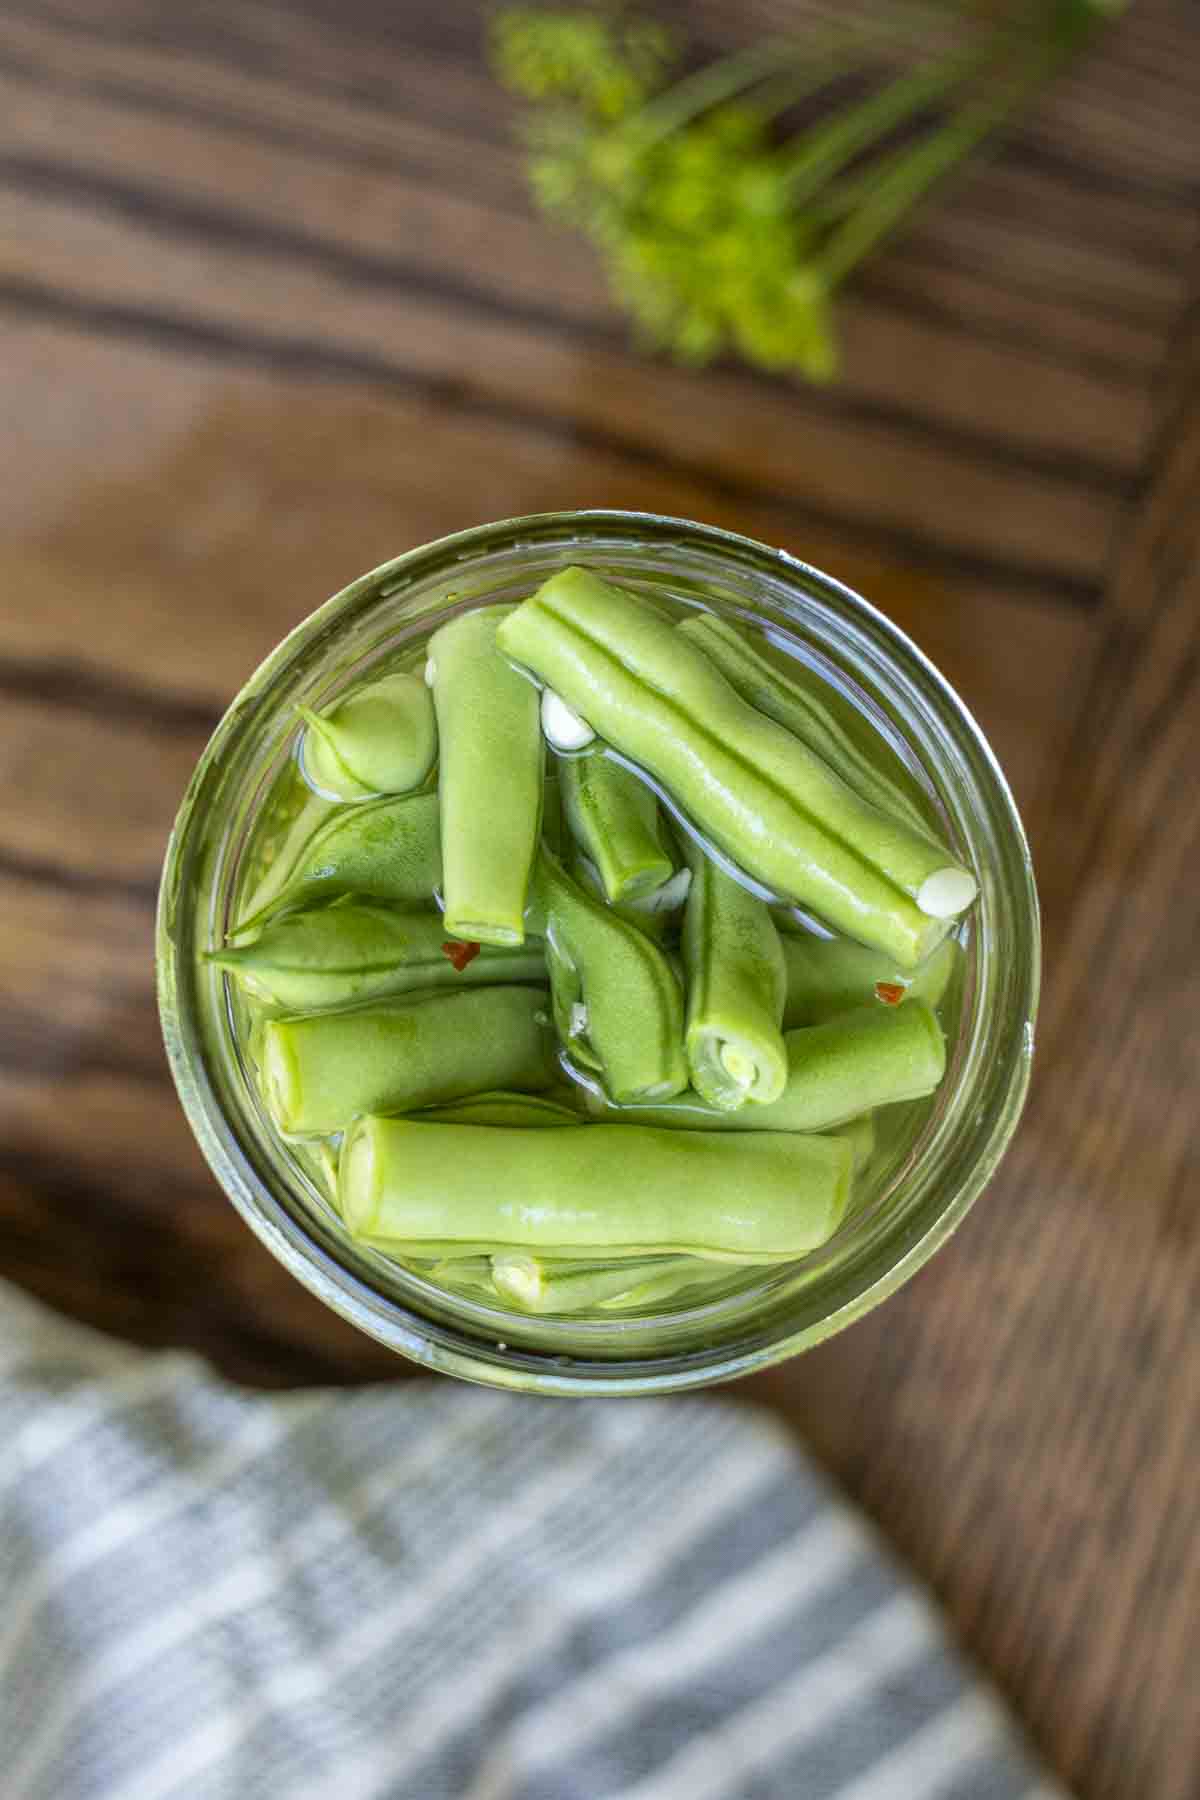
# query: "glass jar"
[[930, 1182]]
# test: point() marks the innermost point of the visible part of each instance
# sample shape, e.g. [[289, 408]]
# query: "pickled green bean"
[[626, 1194], [613, 816], [687, 1112], [837, 1070], [544, 1284], [471, 1272], [656, 915], [490, 779], [804, 709], [319, 1160], [828, 976], [860, 1135], [294, 823], [540, 1287], [687, 1272], [747, 784], [383, 850], [617, 1003], [361, 950], [735, 990], [500, 1108], [380, 740], [321, 1070], [554, 830]]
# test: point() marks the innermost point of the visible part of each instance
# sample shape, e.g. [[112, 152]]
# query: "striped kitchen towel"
[[427, 1590]]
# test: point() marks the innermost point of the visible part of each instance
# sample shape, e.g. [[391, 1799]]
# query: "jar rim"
[[992, 1061]]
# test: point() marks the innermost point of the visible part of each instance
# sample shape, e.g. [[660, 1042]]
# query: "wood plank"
[[207, 484], [107, 1209], [78, 1244], [468, 98], [77, 983], [487, 265], [1123, 111], [956, 494], [89, 791], [410, 137], [1002, 392], [955, 290], [1117, 110], [1044, 1501]]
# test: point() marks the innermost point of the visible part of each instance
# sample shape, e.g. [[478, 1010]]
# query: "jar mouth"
[[925, 1196]]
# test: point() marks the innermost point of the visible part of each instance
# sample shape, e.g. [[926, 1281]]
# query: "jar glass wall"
[[925, 1182]]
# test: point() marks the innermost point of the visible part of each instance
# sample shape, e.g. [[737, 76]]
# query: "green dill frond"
[[607, 63], [717, 237]]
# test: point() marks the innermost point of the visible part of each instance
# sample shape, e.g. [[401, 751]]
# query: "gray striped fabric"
[[431, 1591]]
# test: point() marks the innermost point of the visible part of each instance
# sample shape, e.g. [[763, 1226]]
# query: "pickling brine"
[[596, 953]]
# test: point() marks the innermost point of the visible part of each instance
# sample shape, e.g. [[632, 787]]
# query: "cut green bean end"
[[484, 931], [562, 726], [947, 893], [359, 1179], [518, 1278], [727, 1074], [740, 1067], [280, 1075], [650, 880]]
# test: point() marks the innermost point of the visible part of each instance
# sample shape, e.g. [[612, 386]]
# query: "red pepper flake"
[[460, 954], [890, 992]]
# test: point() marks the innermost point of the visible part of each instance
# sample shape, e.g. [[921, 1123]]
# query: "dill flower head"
[[709, 256], [716, 237], [606, 63]]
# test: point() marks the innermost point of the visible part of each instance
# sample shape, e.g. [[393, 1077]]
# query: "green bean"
[[428, 1250], [361, 950], [318, 1158], [687, 1112], [828, 976], [688, 1272], [613, 816], [860, 1135], [554, 829], [628, 1194], [656, 914], [380, 740], [536, 1286], [500, 1108], [617, 1003], [383, 850], [473, 1272], [804, 708], [735, 990], [762, 797], [490, 779], [293, 823], [837, 1070], [319, 1071]]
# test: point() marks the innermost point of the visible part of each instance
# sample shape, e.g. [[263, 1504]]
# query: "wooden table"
[[275, 307]]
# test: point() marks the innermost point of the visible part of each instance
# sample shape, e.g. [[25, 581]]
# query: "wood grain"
[[274, 307], [1023, 1418]]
